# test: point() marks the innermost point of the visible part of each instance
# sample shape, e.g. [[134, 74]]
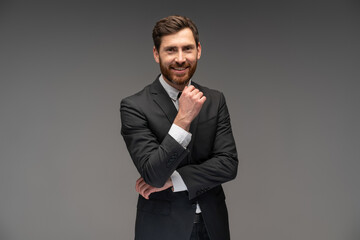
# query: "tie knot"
[[179, 94]]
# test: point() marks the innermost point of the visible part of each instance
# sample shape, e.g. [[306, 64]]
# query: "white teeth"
[[179, 69]]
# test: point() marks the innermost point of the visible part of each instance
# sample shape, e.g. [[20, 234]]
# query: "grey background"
[[289, 71]]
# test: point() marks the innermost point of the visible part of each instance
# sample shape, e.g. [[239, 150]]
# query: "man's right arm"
[[155, 161]]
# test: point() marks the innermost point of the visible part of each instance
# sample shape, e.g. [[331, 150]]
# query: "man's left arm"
[[223, 162]]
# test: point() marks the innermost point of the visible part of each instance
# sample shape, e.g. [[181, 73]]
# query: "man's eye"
[[188, 49], [170, 50]]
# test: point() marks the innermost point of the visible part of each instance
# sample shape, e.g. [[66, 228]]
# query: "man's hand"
[[190, 104], [145, 189]]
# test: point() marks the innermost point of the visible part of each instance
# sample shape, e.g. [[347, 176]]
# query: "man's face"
[[177, 56]]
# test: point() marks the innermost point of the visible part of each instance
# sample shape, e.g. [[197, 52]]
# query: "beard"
[[178, 79]]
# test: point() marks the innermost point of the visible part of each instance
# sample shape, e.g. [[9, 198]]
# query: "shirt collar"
[[171, 91]]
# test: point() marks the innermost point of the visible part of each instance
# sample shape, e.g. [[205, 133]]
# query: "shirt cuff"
[[178, 183], [180, 135]]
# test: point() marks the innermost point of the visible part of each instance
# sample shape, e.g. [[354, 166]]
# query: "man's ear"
[[156, 54], [198, 51]]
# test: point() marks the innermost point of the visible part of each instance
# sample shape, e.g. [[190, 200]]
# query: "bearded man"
[[179, 137]]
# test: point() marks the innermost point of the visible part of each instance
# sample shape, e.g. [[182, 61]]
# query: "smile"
[[179, 69]]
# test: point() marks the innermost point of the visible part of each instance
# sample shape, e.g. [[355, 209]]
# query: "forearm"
[[209, 174], [156, 163]]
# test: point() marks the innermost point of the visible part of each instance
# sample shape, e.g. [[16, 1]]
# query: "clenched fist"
[[190, 104]]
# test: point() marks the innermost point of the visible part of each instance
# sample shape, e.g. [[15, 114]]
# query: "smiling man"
[[178, 57], [179, 137]]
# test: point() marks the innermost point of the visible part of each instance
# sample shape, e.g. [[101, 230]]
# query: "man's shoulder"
[[137, 95], [208, 92], [141, 95]]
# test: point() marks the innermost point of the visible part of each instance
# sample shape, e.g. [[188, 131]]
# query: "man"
[[179, 137]]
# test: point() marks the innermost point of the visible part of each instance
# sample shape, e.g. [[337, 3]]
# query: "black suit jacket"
[[209, 160]]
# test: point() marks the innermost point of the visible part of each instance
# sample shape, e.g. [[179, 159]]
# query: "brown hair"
[[170, 25]]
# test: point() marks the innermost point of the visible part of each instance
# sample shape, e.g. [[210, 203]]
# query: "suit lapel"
[[162, 99]]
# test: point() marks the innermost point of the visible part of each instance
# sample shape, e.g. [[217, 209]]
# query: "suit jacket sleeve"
[[154, 160], [223, 162]]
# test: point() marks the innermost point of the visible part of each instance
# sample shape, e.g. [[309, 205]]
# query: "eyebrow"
[[190, 46], [186, 46]]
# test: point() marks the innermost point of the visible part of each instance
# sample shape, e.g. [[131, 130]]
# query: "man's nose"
[[180, 58]]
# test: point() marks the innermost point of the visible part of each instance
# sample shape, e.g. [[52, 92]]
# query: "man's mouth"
[[179, 69]]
